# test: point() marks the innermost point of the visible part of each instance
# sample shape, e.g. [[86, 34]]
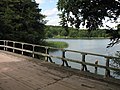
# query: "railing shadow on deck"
[[32, 50]]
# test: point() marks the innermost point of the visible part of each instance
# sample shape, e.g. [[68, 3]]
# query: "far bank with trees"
[[60, 32]]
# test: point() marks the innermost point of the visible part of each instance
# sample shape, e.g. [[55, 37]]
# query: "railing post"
[[47, 52], [83, 65], [33, 51], [107, 72], [13, 47], [63, 56], [22, 48], [4, 44]]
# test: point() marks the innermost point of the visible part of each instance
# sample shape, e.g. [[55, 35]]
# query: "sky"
[[49, 8]]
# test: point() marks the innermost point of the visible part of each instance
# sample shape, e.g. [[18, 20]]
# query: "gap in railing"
[[18, 45], [27, 54], [18, 51], [72, 55], [39, 57], [93, 59], [10, 44], [53, 53], [28, 47], [2, 43], [10, 50], [1, 48], [39, 49]]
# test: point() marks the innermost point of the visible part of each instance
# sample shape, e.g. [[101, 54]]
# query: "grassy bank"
[[57, 44]]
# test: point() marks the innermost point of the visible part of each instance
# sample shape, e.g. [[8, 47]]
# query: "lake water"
[[84, 45]]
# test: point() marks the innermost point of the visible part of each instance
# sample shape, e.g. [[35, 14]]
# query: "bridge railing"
[[12, 46]]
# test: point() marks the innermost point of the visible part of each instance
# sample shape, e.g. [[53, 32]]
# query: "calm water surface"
[[84, 45]]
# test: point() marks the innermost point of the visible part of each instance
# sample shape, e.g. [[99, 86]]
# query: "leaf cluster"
[[21, 20], [90, 13]]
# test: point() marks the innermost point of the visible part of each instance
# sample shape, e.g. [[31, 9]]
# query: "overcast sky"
[[49, 9]]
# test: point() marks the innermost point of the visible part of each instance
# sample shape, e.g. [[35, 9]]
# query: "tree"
[[116, 63], [90, 13], [21, 20]]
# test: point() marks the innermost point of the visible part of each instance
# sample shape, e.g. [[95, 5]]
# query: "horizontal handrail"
[[87, 53], [95, 54], [63, 58], [33, 44]]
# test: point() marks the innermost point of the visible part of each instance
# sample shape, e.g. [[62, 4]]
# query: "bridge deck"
[[22, 73]]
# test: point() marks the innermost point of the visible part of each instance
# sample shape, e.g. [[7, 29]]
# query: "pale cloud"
[[43, 1], [52, 17], [39, 1], [111, 23], [51, 1], [53, 21], [51, 12]]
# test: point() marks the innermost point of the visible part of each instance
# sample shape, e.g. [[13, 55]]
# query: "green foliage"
[[51, 31], [116, 63], [21, 20], [56, 44], [90, 13], [59, 32]]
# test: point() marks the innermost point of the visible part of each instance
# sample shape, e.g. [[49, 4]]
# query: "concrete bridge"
[[19, 72]]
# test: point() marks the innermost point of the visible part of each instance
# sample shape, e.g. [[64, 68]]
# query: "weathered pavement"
[[22, 73]]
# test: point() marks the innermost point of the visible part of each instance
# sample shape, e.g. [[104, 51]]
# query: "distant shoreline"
[[81, 38]]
